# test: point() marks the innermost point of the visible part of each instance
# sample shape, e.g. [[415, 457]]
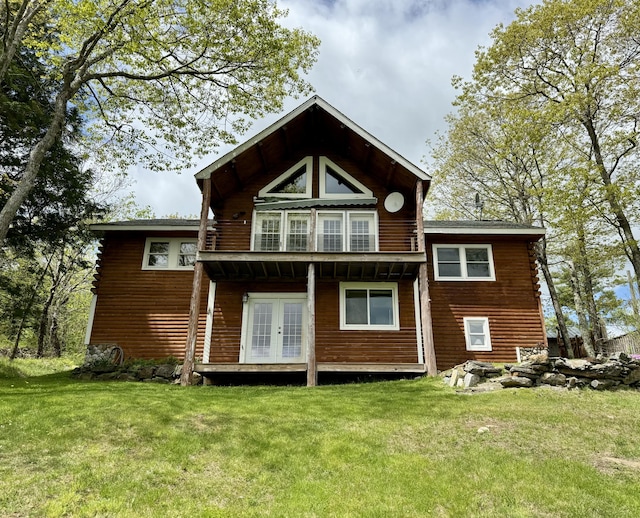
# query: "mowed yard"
[[394, 448]]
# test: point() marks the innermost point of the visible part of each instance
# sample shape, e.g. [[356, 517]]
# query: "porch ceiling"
[[294, 266]]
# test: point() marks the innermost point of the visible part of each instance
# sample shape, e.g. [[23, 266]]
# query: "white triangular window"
[[295, 182], [336, 183]]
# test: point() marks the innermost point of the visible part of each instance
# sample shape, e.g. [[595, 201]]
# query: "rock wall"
[[618, 370]]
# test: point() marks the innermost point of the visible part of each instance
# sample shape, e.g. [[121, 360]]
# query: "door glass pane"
[[292, 329], [356, 307], [381, 307], [261, 329]]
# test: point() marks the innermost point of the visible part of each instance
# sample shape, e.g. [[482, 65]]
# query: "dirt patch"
[[613, 464]]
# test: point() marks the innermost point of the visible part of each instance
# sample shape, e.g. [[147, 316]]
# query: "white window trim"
[[308, 161], [174, 252], [485, 322], [463, 263], [324, 162], [393, 286], [346, 226], [254, 227]]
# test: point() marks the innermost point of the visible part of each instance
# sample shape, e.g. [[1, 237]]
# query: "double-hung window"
[[346, 231], [463, 263], [369, 306], [476, 333], [281, 231], [169, 254]]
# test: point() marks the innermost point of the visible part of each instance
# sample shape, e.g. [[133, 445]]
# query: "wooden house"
[[311, 254]]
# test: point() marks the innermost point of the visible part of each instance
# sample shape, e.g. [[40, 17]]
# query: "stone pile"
[[616, 371], [161, 373]]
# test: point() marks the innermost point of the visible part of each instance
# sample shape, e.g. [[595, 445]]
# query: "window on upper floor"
[[335, 182], [169, 254], [295, 182], [463, 263], [369, 306], [476, 333], [336, 231]]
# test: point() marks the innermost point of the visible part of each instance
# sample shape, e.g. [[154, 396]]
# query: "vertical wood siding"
[[144, 312], [510, 302]]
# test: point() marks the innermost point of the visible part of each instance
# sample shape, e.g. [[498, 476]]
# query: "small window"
[[463, 263], [267, 232], [297, 232], [169, 254], [476, 333], [330, 232], [369, 306], [294, 183]]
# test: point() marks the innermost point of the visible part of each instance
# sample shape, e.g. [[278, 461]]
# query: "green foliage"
[[404, 448]]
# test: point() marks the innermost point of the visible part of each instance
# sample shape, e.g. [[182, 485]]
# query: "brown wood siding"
[[396, 231], [334, 345], [144, 312], [510, 303]]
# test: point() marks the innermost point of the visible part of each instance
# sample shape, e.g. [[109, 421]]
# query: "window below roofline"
[[477, 336], [335, 231], [169, 253], [369, 306], [473, 262]]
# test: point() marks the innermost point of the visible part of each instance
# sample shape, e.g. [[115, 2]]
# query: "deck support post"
[[312, 366], [423, 289], [186, 377]]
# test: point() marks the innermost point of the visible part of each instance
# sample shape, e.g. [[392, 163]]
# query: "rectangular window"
[[169, 254], [369, 306], [476, 333], [362, 237], [267, 232], [297, 232], [330, 232], [463, 263]]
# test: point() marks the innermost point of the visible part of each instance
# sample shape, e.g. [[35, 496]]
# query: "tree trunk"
[[583, 323], [541, 256], [622, 222], [37, 155]]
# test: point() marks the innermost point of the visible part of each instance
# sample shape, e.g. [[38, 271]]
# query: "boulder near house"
[[316, 259]]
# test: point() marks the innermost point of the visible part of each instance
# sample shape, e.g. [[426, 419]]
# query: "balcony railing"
[[236, 235]]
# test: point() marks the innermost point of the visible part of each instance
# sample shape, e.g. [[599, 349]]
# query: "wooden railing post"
[[186, 378], [423, 289], [312, 367]]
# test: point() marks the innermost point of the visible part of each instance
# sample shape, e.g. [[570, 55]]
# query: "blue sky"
[[386, 64]]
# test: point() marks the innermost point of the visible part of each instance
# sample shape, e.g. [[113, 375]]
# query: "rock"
[[553, 378], [516, 381], [471, 380], [454, 378], [481, 368], [572, 382], [177, 371], [157, 379], [632, 377], [483, 429], [107, 376], [146, 372], [126, 376], [165, 371], [620, 357], [197, 379], [525, 371], [603, 384]]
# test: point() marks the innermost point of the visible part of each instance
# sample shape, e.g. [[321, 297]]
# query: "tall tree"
[[162, 80], [578, 63]]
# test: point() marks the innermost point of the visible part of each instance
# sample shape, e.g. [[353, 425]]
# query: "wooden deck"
[[208, 368]]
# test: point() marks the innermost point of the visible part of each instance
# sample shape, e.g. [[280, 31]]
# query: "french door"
[[274, 328]]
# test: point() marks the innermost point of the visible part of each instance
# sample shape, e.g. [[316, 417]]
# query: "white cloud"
[[385, 64]]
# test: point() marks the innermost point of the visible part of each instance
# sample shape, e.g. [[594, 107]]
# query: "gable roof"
[[148, 224], [312, 124]]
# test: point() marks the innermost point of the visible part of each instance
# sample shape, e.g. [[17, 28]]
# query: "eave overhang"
[[389, 266]]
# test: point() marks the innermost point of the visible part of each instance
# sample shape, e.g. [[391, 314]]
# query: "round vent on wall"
[[394, 202]]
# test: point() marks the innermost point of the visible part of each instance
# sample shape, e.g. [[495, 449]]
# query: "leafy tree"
[[163, 80], [578, 63]]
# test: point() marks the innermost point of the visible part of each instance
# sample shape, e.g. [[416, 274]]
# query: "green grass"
[[401, 448]]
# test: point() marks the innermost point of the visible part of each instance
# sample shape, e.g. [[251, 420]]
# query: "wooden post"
[[423, 288], [186, 378], [312, 367]]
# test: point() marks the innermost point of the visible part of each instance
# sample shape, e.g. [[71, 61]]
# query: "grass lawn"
[[400, 448]]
